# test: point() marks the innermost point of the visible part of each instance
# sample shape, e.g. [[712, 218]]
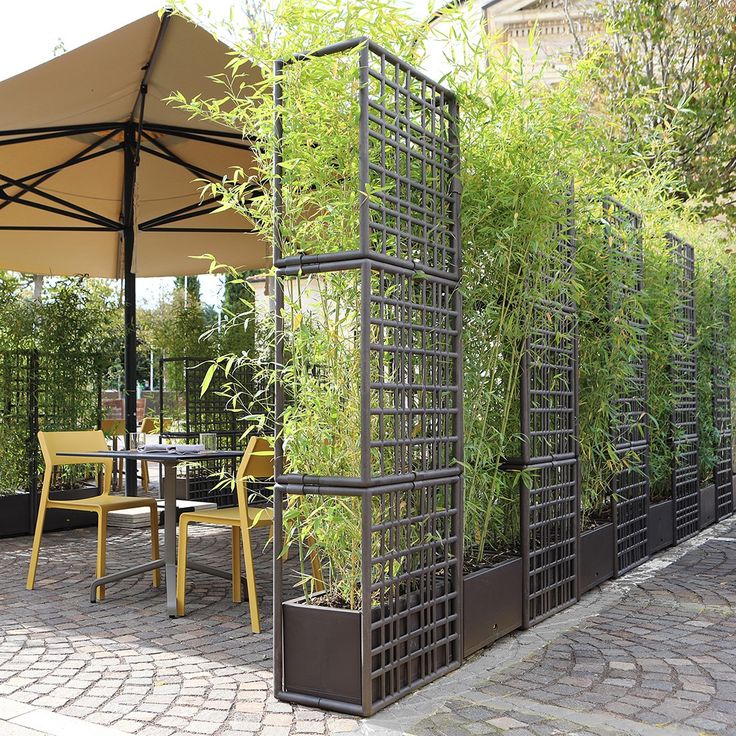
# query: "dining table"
[[170, 460]]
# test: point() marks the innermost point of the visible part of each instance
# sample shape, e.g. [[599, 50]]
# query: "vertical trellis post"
[[721, 380], [630, 430], [409, 484], [550, 499], [685, 478]]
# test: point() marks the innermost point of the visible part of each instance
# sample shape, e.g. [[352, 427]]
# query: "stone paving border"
[[476, 699], [20, 719]]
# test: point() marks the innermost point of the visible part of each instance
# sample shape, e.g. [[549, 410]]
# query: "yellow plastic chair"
[[52, 443], [257, 462], [150, 425]]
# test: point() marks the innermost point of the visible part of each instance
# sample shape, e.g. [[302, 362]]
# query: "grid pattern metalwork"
[[208, 412], [549, 539], [53, 392], [721, 380], [685, 477], [629, 431], [413, 358], [413, 635], [408, 331], [630, 508], [548, 401]]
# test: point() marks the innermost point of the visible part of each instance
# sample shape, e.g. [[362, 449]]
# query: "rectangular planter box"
[[322, 652], [707, 503], [16, 518], [595, 564], [492, 604], [660, 526]]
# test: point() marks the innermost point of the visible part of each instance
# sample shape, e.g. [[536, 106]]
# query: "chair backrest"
[[150, 425], [52, 443], [257, 462], [113, 427]]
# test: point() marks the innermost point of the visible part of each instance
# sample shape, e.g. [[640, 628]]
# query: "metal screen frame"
[[685, 480], [630, 432], [408, 267], [550, 495], [721, 382]]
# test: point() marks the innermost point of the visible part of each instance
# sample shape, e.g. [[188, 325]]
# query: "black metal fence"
[[550, 498], [219, 411], [57, 391], [630, 432], [721, 386], [410, 387], [685, 477]]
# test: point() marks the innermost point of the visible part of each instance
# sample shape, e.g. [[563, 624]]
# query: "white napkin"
[[188, 449], [155, 448]]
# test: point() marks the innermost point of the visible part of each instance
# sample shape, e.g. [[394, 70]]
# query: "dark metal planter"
[[660, 526], [17, 517], [707, 506], [322, 654], [323, 651], [492, 604], [595, 563]]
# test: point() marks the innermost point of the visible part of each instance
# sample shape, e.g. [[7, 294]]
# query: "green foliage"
[[178, 328], [522, 144], [669, 66], [76, 331]]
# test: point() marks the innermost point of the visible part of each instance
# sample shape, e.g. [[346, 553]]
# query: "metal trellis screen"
[[550, 493], [407, 378], [685, 483], [210, 412], [630, 433], [49, 392], [721, 379]]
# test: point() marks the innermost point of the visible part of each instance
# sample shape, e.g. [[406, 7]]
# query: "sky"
[[30, 32]]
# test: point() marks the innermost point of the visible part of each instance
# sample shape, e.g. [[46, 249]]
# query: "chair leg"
[[101, 550], [236, 567], [31, 580], [154, 545], [250, 579], [144, 475], [181, 567]]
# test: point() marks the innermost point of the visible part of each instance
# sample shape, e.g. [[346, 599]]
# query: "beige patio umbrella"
[[98, 174]]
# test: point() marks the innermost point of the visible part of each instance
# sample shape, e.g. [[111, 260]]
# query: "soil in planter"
[[589, 523], [472, 561]]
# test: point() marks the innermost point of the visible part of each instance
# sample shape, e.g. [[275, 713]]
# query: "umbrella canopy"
[[66, 128]]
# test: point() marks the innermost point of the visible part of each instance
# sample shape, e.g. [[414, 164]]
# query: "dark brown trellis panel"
[[59, 391], [721, 379], [208, 412], [630, 433], [548, 400], [408, 630], [685, 477]]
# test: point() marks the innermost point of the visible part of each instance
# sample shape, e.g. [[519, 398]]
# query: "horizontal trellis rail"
[[406, 269], [630, 432]]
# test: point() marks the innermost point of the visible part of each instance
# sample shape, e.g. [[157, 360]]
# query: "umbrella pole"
[[131, 424]]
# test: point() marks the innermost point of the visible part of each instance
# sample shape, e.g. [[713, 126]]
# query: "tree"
[[670, 66]]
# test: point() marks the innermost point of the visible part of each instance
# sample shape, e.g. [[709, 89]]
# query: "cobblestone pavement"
[[653, 653], [124, 663]]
